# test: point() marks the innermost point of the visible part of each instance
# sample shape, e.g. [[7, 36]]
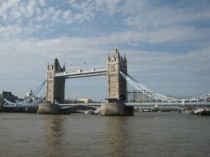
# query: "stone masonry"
[[117, 85], [55, 86]]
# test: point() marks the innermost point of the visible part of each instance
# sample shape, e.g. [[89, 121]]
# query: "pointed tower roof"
[[121, 58], [56, 61], [108, 57], [57, 65], [117, 54], [64, 67], [48, 65], [125, 59]]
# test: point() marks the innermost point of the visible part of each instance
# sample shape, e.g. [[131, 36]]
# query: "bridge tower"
[[117, 85], [55, 86]]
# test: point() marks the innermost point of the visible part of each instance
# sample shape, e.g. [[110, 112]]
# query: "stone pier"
[[48, 108], [116, 109]]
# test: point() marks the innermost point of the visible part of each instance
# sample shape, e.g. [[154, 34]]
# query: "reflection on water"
[[117, 130], [53, 135], [145, 134]]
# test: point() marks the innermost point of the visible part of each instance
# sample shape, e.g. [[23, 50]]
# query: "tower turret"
[[117, 85], [64, 68], [55, 86]]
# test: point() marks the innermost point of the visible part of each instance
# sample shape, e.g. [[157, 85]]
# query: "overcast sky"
[[167, 43]]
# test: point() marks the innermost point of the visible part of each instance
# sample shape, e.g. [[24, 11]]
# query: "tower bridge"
[[117, 85], [117, 79]]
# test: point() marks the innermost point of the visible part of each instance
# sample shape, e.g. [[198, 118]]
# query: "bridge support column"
[[55, 90], [117, 86], [55, 86]]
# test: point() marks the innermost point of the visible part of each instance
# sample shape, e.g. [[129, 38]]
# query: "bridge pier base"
[[116, 109], [48, 108]]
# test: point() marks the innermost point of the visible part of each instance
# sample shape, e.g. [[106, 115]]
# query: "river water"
[[78, 135]]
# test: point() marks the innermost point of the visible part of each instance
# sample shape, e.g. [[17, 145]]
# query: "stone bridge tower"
[[55, 86], [117, 85]]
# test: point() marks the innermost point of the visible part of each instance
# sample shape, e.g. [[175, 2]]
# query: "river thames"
[[76, 135]]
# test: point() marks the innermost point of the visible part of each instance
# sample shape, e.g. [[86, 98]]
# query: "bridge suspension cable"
[[157, 96], [39, 88]]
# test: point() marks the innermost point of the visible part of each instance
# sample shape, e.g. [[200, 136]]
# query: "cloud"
[[170, 70], [42, 2], [161, 14], [31, 14], [175, 72], [86, 48], [161, 23], [16, 10], [167, 45], [109, 7]]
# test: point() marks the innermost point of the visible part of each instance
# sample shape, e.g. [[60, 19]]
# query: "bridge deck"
[[152, 104], [167, 104]]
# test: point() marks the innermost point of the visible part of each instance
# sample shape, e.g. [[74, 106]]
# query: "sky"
[[167, 43]]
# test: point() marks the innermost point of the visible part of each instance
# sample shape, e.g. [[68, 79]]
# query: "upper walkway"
[[81, 73]]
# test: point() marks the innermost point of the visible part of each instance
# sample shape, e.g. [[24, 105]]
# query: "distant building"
[[85, 100], [7, 95], [208, 99]]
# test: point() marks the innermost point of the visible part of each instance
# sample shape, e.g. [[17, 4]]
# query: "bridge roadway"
[[63, 106], [168, 104], [145, 105], [81, 73]]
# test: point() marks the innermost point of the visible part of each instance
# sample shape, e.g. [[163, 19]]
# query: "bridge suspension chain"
[[148, 91], [39, 88], [145, 90], [158, 96]]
